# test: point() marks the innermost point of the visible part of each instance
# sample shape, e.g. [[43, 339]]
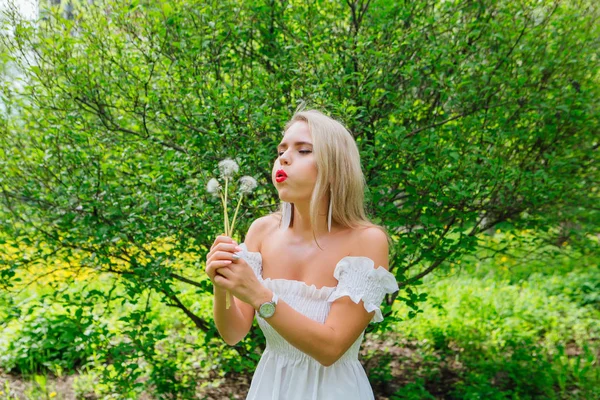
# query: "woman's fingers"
[[222, 282], [213, 267], [224, 271], [222, 239], [223, 248], [222, 255]]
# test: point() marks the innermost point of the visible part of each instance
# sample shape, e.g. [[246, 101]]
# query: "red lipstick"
[[280, 176]]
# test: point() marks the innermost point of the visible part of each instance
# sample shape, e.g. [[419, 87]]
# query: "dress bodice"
[[356, 278], [286, 373]]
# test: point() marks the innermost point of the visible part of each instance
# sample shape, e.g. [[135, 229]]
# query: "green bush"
[[45, 341], [536, 337]]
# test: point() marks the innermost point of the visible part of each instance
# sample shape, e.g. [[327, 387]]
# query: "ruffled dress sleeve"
[[359, 280], [253, 258]]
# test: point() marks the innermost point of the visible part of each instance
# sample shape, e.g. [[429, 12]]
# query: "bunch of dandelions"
[[227, 169]]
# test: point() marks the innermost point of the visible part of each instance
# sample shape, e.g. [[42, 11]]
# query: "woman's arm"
[[234, 323], [327, 342]]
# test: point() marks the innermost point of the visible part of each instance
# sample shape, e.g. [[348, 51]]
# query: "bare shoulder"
[[260, 228], [372, 242]]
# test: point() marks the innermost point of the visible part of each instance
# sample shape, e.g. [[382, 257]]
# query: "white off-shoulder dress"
[[286, 373]]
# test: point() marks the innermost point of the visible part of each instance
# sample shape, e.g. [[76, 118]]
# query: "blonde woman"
[[314, 274]]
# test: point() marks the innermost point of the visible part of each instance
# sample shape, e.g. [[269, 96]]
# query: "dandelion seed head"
[[213, 186], [247, 184], [228, 167]]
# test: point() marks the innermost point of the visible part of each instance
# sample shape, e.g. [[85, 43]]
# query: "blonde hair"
[[338, 168]]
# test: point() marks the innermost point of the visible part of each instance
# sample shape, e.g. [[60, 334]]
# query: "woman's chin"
[[283, 196]]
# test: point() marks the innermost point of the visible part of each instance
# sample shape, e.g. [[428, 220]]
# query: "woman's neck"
[[302, 228]]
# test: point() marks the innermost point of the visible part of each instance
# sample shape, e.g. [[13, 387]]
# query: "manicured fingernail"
[[238, 248]]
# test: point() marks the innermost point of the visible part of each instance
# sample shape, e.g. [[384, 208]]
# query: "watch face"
[[266, 310]]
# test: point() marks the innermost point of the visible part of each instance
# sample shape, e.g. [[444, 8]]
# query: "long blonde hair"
[[338, 168]]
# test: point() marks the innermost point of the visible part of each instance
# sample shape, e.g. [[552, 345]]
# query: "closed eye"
[[301, 151]]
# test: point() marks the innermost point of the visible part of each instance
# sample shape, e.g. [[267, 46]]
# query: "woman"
[[308, 272]]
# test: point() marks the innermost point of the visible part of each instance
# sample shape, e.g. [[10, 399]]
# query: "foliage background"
[[470, 117]]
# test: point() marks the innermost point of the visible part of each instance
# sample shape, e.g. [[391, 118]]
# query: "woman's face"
[[296, 159]]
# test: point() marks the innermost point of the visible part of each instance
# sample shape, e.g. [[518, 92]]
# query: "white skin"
[[346, 321]]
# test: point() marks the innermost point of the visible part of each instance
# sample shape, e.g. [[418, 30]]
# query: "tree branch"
[[199, 322]]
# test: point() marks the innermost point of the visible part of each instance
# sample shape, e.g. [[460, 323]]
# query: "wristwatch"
[[267, 309]]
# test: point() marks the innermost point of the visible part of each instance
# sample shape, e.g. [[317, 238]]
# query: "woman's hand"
[[220, 256], [232, 274]]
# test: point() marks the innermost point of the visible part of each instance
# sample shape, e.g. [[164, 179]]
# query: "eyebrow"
[[284, 144]]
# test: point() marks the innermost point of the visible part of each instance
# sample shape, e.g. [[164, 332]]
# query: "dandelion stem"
[[236, 212], [226, 221], [227, 233]]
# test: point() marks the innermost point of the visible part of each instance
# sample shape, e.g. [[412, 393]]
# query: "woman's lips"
[[280, 176]]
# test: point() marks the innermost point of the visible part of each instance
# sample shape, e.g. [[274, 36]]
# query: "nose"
[[284, 159]]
